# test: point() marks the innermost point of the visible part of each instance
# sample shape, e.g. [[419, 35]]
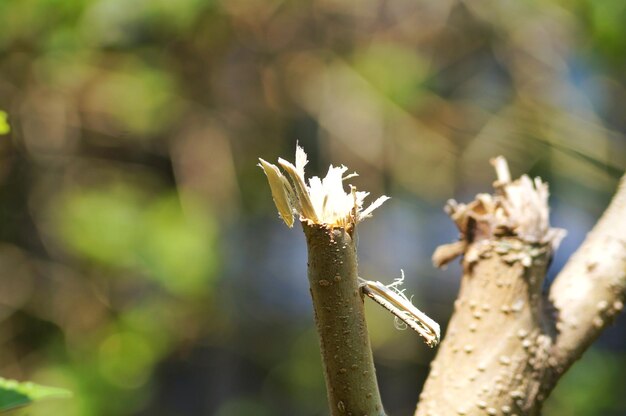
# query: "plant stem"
[[590, 291], [349, 370], [504, 351], [493, 359]]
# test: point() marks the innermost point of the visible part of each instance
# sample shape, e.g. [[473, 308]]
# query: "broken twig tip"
[[321, 200], [502, 171]]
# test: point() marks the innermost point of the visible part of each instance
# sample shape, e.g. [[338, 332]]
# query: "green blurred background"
[[142, 261]]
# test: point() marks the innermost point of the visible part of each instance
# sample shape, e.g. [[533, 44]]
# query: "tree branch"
[[340, 319], [329, 217], [494, 356], [589, 292], [503, 353]]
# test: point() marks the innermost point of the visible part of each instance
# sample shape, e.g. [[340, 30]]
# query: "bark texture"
[[494, 355], [589, 292], [506, 345], [340, 320]]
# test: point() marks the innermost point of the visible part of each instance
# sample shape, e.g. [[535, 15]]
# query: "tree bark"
[[494, 355], [351, 383], [506, 345], [589, 292]]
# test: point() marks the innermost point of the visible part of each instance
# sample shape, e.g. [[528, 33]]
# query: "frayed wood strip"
[[403, 309]]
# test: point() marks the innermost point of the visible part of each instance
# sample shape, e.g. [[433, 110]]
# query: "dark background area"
[[142, 262]]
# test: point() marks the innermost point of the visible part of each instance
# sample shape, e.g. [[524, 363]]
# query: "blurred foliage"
[[4, 124], [592, 387], [14, 394], [119, 227], [141, 263]]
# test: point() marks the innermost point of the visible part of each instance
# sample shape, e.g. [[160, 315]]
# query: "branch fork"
[[504, 350]]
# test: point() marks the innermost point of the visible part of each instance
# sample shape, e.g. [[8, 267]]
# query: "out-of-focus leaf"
[[4, 124], [177, 246], [118, 226], [126, 359], [395, 71], [607, 27], [15, 394], [102, 225], [137, 99]]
